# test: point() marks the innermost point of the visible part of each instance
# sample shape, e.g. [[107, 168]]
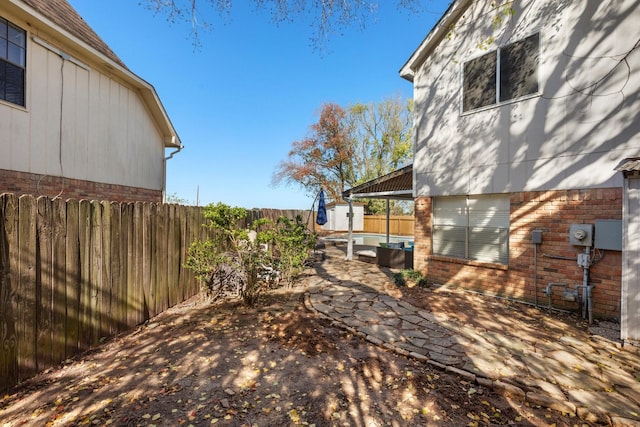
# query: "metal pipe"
[[518, 301], [587, 304], [590, 304], [535, 273], [548, 290]]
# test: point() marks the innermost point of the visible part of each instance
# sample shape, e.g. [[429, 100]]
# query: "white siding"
[[558, 139], [338, 218], [107, 134]]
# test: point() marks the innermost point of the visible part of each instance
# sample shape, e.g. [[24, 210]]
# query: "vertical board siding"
[[73, 273]]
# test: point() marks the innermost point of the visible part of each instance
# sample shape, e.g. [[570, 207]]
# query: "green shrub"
[[409, 278], [292, 246], [244, 262]]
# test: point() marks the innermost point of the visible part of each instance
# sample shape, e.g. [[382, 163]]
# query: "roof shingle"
[[64, 15]]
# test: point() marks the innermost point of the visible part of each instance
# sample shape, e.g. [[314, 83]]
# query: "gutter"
[[439, 30], [164, 171]]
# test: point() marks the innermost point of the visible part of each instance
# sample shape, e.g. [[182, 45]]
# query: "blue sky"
[[252, 88]]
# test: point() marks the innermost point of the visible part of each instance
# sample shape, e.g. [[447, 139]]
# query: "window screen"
[[519, 68], [514, 66], [480, 82]]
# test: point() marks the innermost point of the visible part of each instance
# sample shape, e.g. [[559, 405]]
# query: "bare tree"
[[327, 16]]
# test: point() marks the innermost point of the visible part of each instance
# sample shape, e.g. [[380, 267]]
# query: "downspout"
[[164, 172]]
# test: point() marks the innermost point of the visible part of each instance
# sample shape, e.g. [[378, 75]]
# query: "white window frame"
[[470, 227]]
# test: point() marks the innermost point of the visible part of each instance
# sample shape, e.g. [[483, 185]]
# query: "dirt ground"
[[273, 365]]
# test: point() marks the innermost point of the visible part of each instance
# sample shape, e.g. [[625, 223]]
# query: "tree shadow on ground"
[[274, 364]]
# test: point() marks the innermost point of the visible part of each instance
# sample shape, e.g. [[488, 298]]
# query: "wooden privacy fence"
[[75, 272], [399, 225]]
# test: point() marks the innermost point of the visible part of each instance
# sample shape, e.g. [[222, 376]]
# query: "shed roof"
[[630, 167], [630, 164], [395, 185]]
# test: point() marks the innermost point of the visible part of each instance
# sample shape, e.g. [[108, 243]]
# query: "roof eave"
[[147, 91], [396, 190], [442, 27]]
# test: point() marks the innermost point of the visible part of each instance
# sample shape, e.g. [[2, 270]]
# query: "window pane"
[[519, 68], [3, 49], [3, 79], [449, 241], [489, 211], [479, 87], [489, 244], [13, 78], [450, 211], [16, 54], [17, 36], [3, 29]]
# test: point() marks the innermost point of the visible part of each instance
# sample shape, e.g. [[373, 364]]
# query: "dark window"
[[13, 45], [514, 66], [480, 82], [519, 68]]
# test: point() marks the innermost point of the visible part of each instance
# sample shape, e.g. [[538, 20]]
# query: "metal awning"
[[395, 185]]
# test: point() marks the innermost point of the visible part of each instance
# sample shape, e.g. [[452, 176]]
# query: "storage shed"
[[338, 217]]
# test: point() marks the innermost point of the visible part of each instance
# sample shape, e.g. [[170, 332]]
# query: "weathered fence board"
[[44, 297], [8, 337], [26, 288], [59, 218], [95, 271], [84, 299], [72, 279], [106, 323], [160, 267]]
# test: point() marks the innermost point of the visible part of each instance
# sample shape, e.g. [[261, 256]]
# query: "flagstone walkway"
[[595, 379]]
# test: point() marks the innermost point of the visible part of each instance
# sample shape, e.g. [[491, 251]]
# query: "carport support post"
[[388, 221], [350, 234]]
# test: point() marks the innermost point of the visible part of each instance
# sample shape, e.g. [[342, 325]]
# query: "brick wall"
[[44, 185], [552, 212]]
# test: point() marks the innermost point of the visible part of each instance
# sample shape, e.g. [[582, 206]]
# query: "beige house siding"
[[559, 138], [87, 118]]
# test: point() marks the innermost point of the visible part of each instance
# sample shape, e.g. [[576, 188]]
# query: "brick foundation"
[[51, 186], [552, 212]]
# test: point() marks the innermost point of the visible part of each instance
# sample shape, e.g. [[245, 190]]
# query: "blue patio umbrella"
[[321, 219]]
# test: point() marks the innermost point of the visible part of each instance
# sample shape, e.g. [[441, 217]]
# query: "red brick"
[[553, 212]]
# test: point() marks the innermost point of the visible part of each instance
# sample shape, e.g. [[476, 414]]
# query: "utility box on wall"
[[581, 234], [608, 234]]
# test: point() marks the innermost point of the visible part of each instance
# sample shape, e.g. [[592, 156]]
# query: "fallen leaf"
[[295, 417]]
